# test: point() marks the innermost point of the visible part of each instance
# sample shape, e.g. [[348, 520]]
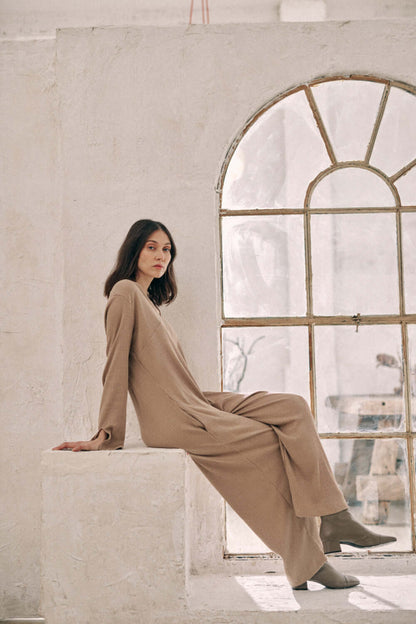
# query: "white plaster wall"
[[369, 9], [145, 117], [31, 308], [43, 17], [23, 18]]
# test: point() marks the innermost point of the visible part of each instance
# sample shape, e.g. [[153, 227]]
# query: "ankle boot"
[[341, 528], [329, 577]]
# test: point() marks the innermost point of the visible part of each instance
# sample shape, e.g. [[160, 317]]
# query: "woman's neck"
[[144, 284]]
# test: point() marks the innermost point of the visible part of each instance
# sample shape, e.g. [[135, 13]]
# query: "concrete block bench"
[[113, 536], [116, 549]]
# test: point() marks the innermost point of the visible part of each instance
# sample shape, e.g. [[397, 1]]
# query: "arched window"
[[318, 235]]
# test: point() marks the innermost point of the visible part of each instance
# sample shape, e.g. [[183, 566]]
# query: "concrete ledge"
[[114, 550], [268, 598], [113, 545], [24, 620]]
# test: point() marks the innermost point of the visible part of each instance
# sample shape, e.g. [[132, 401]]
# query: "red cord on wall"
[[204, 11]]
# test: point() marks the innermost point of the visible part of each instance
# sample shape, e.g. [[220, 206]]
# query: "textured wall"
[[31, 310], [143, 119], [43, 17]]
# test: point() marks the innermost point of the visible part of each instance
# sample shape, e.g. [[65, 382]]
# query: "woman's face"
[[154, 258]]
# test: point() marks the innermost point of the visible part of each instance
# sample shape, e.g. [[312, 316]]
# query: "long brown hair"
[[162, 289]]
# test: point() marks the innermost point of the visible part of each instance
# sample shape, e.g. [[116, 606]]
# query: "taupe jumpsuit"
[[260, 451]]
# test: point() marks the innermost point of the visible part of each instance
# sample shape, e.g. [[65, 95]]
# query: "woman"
[[260, 451]]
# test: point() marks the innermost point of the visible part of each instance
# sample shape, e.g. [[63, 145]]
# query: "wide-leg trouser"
[[273, 471]]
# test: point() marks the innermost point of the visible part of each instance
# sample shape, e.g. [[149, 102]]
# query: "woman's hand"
[[83, 445]]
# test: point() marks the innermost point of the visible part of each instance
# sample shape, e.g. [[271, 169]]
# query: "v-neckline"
[[147, 297]]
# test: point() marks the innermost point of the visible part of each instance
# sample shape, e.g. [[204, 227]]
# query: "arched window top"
[[364, 122], [353, 187]]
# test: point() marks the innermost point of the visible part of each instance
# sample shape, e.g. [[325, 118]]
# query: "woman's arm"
[[119, 324]]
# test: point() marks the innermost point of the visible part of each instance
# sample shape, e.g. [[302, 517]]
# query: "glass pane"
[[359, 378], [412, 359], [395, 144], [349, 109], [406, 185], [276, 159], [351, 188], [373, 475], [263, 266], [240, 538], [274, 359], [354, 264], [409, 260]]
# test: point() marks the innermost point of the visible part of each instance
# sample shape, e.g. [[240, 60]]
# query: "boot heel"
[[303, 586], [331, 546]]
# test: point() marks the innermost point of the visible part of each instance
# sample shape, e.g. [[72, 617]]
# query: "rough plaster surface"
[[135, 122], [23, 18], [113, 540], [31, 287]]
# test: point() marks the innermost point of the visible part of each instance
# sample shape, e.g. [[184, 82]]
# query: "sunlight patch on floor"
[[385, 593], [273, 593]]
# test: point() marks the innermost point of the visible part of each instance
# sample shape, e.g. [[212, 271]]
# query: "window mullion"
[[377, 122], [402, 307], [409, 427], [309, 310], [412, 488], [406, 385], [320, 125], [382, 319]]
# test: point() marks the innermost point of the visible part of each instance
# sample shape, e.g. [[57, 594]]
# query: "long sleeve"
[[119, 324]]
